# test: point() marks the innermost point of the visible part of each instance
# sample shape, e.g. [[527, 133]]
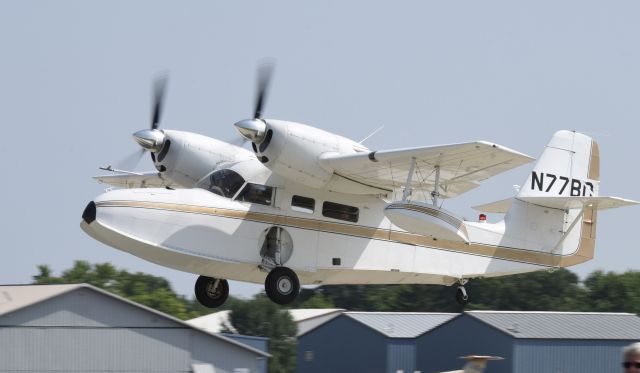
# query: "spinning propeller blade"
[[151, 139], [131, 161], [254, 129], [159, 88], [265, 71]]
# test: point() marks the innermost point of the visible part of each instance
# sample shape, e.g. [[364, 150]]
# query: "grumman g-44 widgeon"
[[311, 207]]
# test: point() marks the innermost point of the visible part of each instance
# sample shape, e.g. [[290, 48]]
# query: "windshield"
[[223, 182]]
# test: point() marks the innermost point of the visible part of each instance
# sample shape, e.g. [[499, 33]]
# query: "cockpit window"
[[223, 182], [256, 193]]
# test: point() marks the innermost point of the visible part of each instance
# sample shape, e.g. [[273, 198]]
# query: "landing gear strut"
[[461, 294], [282, 285], [211, 292]]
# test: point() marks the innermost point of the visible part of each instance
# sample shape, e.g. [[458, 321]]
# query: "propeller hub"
[[150, 139], [252, 129]]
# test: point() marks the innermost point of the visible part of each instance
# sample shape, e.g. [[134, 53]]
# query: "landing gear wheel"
[[282, 285], [461, 296], [211, 292]]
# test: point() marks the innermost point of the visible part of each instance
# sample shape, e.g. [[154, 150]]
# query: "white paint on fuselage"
[[228, 247]]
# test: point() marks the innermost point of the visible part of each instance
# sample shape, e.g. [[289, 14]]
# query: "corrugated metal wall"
[[401, 355], [568, 356], [87, 331]]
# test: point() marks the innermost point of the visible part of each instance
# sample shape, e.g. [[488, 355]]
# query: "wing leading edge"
[[462, 166], [130, 180]]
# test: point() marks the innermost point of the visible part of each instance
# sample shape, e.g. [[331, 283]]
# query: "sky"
[[75, 82]]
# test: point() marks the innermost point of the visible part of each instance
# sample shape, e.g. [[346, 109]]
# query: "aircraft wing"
[[462, 166], [136, 180]]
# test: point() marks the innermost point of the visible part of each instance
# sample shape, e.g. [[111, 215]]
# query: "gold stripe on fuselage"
[[583, 253]]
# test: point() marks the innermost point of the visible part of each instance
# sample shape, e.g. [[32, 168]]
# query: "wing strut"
[[435, 194], [407, 187]]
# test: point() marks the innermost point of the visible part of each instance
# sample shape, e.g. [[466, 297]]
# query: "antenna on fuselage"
[[372, 133]]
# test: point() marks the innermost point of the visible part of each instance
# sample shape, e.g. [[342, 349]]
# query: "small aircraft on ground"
[[311, 207], [475, 363]]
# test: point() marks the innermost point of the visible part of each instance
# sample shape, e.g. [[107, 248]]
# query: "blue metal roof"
[[562, 325], [401, 324]]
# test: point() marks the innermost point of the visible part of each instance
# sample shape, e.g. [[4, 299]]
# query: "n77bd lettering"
[[546, 181]]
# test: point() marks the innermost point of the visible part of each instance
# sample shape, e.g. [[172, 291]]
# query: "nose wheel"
[[282, 285], [211, 292]]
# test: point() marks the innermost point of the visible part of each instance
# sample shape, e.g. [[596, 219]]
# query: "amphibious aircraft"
[[306, 206]]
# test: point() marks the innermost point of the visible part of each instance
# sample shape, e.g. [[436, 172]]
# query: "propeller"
[[254, 129], [152, 139], [265, 71], [159, 88], [131, 161]]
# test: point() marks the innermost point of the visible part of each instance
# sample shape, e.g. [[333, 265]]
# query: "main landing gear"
[[211, 292], [282, 285], [461, 294]]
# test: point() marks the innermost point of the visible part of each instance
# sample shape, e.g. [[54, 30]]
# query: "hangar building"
[[366, 342], [63, 328], [557, 342]]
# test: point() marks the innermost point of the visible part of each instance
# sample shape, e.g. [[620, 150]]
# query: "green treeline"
[[558, 290]]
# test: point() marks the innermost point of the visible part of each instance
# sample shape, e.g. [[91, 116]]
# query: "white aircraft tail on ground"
[[475, 364]]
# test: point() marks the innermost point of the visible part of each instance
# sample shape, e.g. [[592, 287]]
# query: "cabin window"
[[223, 182], [303, 204], [341, 212], [256, 193]]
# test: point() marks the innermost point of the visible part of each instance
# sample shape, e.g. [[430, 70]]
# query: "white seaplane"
[[311, 207]]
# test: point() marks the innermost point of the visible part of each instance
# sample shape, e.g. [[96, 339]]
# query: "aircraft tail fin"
[[568, 167], [555, 211]]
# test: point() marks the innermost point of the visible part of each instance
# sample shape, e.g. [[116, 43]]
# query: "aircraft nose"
[[89, 213]]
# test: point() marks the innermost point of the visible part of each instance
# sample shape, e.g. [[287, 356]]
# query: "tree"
[[261, 317], [152, 291], [559, 290], [612, 292]]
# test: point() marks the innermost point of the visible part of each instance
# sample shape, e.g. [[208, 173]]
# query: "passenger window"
[[338, 211], [256, 193], [303, 204], [223, 182]]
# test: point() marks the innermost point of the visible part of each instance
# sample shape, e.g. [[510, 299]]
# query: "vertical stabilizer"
[[568, 167]]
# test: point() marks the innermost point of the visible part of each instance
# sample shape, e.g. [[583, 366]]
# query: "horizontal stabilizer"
[[600, 203], [498, 207]]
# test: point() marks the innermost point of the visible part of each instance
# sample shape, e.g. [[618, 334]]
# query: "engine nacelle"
[[293, 151], [187, 157]]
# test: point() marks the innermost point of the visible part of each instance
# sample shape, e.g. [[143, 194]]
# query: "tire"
[[206, 296], [462, 297], [282, 285]]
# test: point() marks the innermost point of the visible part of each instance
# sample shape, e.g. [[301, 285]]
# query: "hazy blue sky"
[[75, 80]]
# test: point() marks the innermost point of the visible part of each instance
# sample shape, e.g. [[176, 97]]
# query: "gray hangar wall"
[[86, 330]]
